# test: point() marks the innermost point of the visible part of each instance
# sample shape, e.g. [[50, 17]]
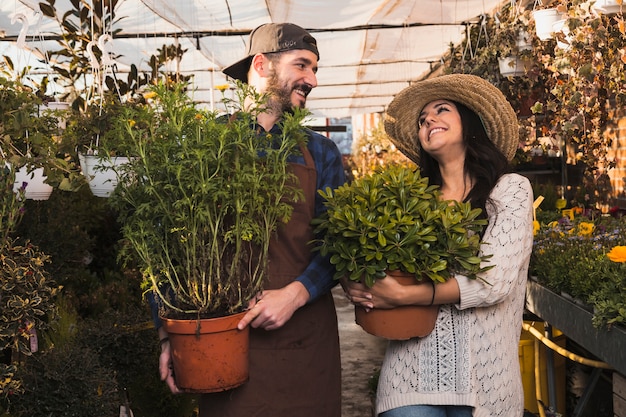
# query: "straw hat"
[[478, 95]]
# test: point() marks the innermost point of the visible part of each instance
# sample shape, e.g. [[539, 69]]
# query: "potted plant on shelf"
[[198, 208], [391, 221]]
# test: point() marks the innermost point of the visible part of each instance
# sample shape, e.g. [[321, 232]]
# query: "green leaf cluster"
[[569, 256], [392, 219], [204, 197], [28, 135]]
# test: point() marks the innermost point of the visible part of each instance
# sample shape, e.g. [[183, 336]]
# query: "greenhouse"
[[137, 189]]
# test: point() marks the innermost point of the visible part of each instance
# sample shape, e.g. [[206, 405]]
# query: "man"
[[295, 367]]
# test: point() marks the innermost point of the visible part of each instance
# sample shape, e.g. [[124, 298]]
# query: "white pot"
[[607, 7], [512, 66], [560, 26], [53, 107], [544, 19], [36, 188], [101, 173], [523, 41]]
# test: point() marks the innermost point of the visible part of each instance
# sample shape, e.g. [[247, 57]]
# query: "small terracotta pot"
[[208, 355], [400, 323]]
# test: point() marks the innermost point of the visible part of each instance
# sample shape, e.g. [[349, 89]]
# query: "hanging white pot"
[[513, 66], [55, 108], [523, 41], [102, 173], [544, 19], [36, 188], [607, 7], [561, 26]]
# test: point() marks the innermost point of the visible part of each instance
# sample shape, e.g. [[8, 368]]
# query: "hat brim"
[[239, 70], [480, 96]]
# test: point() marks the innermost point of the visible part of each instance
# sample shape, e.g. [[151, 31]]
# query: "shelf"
[[575, 322]]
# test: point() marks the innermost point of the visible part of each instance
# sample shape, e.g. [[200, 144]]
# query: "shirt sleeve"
[[317, 278], [508, 239]]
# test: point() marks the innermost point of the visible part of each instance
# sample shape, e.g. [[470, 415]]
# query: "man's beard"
[[279, 100]]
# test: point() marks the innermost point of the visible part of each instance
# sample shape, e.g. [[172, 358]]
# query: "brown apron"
[[295, 371]]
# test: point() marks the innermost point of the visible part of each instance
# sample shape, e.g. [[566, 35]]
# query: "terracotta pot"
[[208, 355], [400, 323]]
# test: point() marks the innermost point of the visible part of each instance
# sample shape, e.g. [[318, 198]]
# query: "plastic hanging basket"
[[544, 21]]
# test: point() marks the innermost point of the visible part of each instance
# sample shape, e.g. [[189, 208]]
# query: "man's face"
[[292, 79]]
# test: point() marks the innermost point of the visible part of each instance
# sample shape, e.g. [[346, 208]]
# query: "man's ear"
[[260, 64]]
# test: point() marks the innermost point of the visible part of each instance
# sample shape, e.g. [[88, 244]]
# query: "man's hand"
[[166, 369], [271, 309]]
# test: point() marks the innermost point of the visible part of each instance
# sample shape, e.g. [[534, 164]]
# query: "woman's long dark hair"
[[484, 163]]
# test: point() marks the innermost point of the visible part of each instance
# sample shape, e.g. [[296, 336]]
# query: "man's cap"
[[272, 37]]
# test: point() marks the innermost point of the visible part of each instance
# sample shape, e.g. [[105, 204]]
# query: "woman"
[[462, 133]]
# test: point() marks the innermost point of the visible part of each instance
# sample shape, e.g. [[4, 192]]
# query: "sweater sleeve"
[[508, 238]]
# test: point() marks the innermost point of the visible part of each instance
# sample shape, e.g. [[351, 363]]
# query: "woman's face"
[[440, 130]]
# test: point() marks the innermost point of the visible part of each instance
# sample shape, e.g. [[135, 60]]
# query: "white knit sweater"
[[471, 357]]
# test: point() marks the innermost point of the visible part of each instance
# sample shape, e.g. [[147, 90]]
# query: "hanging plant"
[[588, 82]]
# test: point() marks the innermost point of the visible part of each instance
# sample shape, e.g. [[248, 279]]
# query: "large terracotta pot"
[[208, 355], [400, 323]]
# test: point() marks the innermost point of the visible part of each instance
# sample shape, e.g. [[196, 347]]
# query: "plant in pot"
[[390, 222], [198, 208], [512, 40], [29, 141], [100, 149], [587, 87]]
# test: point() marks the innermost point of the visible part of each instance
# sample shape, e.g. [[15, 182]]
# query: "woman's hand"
[[386, 293]]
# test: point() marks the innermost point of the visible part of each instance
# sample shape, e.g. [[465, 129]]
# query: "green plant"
[[374, 149], [201, 202], [28, 138], [26, 289], [570, 256], [392, 219], [587, 78]]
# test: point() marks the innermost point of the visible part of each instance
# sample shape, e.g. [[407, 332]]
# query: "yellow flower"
[[132, 123], [617, 254], [569, 213], [585, 228], [149, 95], [222, 87], [536, 227]]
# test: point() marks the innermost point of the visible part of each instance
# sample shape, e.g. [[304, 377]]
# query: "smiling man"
[[295, 367]]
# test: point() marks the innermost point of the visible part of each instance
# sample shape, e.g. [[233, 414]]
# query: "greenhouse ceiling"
[[370, 49]]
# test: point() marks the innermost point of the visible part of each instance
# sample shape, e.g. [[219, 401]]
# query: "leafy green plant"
[[570, 256], [28, 138], [26, 289], [586, 81], [205, 195], [392, 219]]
